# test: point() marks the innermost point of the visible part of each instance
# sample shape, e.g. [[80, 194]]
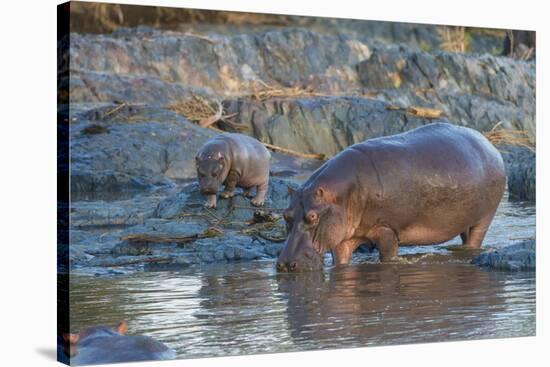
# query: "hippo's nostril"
[[292, 266], [281, 266]]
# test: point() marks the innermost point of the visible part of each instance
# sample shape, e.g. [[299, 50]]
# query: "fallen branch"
[[117, 108], [277, 148], [429, 113], [139, 260], [166, 238], [206, 122], [204, 38], [425, 112]]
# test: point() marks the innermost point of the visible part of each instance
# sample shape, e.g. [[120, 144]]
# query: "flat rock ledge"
[[517, 257]]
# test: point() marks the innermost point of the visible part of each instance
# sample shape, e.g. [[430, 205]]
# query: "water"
[[246, 308]]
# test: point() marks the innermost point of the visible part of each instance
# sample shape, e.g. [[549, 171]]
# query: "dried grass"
[[196, 108], [199, 109], [268, 91], [499, 137], [452, 39]]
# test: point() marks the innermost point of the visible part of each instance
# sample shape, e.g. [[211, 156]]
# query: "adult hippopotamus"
[[104, 344], [424, 186], [233, 160]]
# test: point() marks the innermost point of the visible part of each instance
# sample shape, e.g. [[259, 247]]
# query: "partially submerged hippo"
[[424, 186], [233, 160], [103, 344]]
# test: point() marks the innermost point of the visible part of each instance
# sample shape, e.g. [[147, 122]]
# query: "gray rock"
[[320, 124], [521, 171], [131, 248], [189, 202], [473, 90], [77, 256], [231, 63], [273, 249], [145, 147], [519, 256], [109, 213]]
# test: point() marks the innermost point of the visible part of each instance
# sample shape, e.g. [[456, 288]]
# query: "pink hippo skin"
[[233, 160]]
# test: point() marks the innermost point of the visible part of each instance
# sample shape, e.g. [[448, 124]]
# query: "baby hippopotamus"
[[103, 344], [233, 160]]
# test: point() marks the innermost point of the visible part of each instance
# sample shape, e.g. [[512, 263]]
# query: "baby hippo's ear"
[[122, 328]]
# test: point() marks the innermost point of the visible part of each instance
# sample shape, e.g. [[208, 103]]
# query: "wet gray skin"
[[103, 344]]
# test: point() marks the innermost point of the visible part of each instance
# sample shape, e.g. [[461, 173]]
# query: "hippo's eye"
[[214, 174], [311, 217], [201, 174]]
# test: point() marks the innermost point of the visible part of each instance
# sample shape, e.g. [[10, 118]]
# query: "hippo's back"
[[245, 145], [438, 149], [435, 179], [121, 348]]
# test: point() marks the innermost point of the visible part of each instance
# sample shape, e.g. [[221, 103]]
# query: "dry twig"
[[166, 238], [498, 136]]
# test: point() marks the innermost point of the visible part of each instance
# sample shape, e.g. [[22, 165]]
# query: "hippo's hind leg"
[[386, 240], [261, 191], [230, 184], [473, 236]]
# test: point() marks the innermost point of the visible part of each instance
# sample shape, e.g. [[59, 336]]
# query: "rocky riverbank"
[[294, 86], [519, 256]]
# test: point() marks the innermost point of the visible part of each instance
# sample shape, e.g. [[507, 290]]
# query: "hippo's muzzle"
[[299, 257]]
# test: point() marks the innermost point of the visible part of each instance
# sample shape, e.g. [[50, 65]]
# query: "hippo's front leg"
[[342, 253], [211, 203], [230, 184], [261, 191]]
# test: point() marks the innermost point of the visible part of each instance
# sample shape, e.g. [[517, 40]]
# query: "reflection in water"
[[247, 308], [393, 304]]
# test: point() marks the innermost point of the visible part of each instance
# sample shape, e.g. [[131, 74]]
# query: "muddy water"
[[434, 295]]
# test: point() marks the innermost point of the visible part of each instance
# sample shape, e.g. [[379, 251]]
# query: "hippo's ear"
[[322, 194], [122, 328], [71, 338]]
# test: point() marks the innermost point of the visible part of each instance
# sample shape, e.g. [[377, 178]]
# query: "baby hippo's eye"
[[214, 174], [311, 216], [201, 174]]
